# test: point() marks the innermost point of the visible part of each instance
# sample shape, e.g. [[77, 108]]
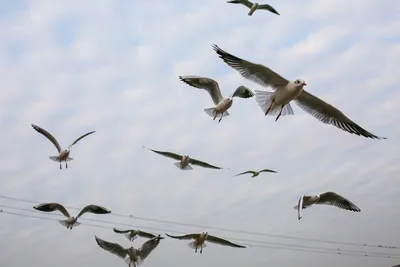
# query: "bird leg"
[[201, 249], [60, 165], [66, 164], [215, 116], [280, 112], [221, 117], [270, 106]]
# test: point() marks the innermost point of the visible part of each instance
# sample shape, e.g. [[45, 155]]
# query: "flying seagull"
[[71, 221], [285, 91], [132, 234], [63, 154], [328, 198], [255, 6], [199, 241], [185, 160], [255, 173], [131, 255], [211, 86]]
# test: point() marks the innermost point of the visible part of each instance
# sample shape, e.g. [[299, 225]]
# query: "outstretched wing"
[[331, 198], [49, 207], [243, 92], [253, 172], [81, 137], [243, 2], [267, 170], [269, 8], [202, 164], [328, 114], [184, 237], [210, 85], [113, 248], [146, 234], [93, 209], [167, 154], [257, 73], [223, 242], [48, 136], [119, 231], [148, 247]]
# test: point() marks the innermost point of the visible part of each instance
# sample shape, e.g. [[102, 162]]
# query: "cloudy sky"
[[113, 67]]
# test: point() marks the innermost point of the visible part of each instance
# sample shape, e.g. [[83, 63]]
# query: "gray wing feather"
[[168, 154], [257, 73], [49, 207], [183, 237], [148, 247], [81, 137], [113, 248], [223, 242], [243, 92], [328, 114], [243, 2], [210, 85], [119, 231], [48, 136], [268, 170], [269, 8], [253, 172], [93, 209], [202, 164], [331, 198]]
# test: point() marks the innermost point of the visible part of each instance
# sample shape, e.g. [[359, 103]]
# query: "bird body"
[[286, 91], [256, 173], [211, 86], [71, 221], [254, 6], [327, 198], [63, 154], [200, 238]]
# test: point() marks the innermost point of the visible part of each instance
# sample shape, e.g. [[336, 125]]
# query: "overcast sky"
[[113, 66]]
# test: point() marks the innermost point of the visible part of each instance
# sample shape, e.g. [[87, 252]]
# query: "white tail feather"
[[264, 101], [129, 237], [65, 223], [211, 112], [187, 168], [193, 245]]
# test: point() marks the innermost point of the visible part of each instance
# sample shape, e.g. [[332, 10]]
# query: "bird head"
[[300, 82]]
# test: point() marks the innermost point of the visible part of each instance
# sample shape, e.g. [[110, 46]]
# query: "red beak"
[[304, 84]]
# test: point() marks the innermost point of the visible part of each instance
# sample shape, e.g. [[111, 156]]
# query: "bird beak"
[[304, 84]]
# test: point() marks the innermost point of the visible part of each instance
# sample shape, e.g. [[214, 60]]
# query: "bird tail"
[[130, 262], [130, 237], [54, 158], [187, 168], [65, 223], [211, 112], [193, 245], [264, 100]]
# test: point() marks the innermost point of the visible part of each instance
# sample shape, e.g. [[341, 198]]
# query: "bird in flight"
[[63, 154], [71, 221], [328, 198], [278, 102], [131, 256], [255, 173], [200, 238], [211, 86], [254, 6], [132, 234], [184, 160]]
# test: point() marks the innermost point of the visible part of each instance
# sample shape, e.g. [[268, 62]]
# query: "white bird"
[[256, 173], [132, 234], [211, 86], [285, 91], [328, 198], [184, 160], [63, 154], [71, 221], [131, 255], [255, 6], [200, 238]]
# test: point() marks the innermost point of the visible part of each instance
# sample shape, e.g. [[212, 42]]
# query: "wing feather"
[[49, 207], [184, 237], [331, 198], [80, 138], [210, 85], [168, 154], [202, 164], [50, 137], [113, 248], [223, 242], [93, 209]]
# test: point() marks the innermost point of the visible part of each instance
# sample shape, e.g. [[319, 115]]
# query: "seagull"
[[131, 255], [328, 198], [185, 160], [211, 86], [71, 221], [285, 91], [255, 173], [199, 241], [254, 7], [63, 154], [132, 234]]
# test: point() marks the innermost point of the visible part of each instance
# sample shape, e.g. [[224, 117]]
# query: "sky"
[[113, 66]]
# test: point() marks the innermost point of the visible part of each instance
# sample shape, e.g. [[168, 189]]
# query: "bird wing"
[[223, 242], [202, 164], [114, 248], [331, 198], [257, 73], [48, 136], [328, 114], [93, 209], [168, 154], [184, 237], [243, 92], [300, 206], [268, 170], [243, 2], [269, 8], [148, 247], [77, 140], [210, 85], [119, 231], [145, 234], [253, 172], [49, 207]]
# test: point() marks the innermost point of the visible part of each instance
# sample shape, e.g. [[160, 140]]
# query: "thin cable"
[[268, 244], [224, 229]]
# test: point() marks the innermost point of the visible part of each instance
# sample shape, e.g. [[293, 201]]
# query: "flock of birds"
[[276, 103]]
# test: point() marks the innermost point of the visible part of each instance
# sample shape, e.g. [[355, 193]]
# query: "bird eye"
[[297, 81]]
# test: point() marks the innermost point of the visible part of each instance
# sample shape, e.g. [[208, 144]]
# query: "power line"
[[262, 244], [223, 229]]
